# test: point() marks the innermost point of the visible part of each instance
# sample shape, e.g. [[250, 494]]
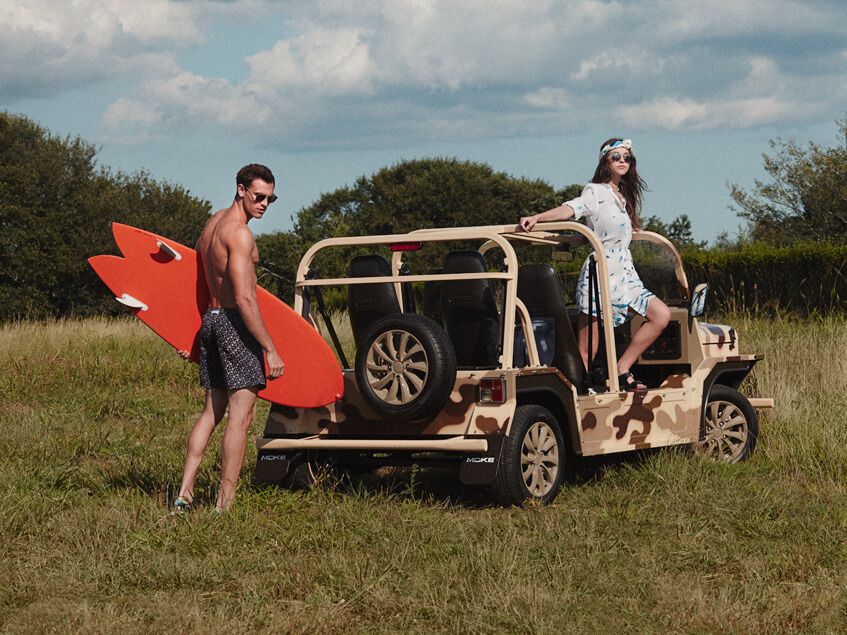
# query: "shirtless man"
[[233, 336]]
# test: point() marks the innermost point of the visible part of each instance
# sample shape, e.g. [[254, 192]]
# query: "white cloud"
[[48, 46], [686, 114], [764, 96], [442, 44], [548, 98], [685, 20], [598, 63], [764, 78], [186, 101], [332, 62], [369, 71]]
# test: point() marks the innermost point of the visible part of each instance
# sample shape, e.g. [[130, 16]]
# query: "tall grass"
[[805, 371], [92, 431]]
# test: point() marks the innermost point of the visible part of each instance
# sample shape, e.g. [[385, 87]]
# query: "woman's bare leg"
[[582, 332], [658, 316]]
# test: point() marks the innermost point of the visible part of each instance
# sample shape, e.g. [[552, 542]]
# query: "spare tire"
[[406, 367]]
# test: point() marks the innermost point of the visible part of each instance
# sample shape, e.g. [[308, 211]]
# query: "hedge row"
[[806, 279]]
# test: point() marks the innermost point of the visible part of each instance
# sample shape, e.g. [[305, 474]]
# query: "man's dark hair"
[[250, 173]]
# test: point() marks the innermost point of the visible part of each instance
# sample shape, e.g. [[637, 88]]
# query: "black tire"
[[302, 474], [406, 367], [308, 467], [729, 427], [532, 464]]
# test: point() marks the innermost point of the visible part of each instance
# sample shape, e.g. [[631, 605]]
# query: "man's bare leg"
[[213, 411], [234, 442]]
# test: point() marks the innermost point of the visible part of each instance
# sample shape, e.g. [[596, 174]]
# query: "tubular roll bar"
[[492, 236]]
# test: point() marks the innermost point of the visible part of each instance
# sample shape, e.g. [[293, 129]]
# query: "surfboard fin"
[[131, 302], [173, 253]]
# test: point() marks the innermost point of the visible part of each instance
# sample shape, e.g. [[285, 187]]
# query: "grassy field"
[[94, 419]]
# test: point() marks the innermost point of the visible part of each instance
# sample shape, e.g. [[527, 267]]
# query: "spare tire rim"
[[725, 431], [539, 459], [397, 367]]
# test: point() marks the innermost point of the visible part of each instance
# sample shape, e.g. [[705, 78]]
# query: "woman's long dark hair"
[[632, 186]]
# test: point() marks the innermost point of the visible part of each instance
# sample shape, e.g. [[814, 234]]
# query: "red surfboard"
[[163, 282]]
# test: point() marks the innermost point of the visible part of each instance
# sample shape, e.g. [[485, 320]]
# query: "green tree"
[[677, 231], [56, 207], [279, 254], [806, 197], [422, 193]]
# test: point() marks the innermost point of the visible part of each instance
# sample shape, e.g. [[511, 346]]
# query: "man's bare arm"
[[242, 276]]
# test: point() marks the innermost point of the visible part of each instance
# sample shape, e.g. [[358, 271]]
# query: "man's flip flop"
[[180, 507]]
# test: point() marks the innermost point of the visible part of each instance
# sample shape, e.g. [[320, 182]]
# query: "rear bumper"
[[761, 402]]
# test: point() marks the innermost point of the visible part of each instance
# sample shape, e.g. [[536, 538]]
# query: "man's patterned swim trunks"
[[230, 357]]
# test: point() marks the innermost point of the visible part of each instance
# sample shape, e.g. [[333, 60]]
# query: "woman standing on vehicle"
[[610, 204]]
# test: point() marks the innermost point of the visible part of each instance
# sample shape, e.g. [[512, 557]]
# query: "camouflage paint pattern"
[[608, 422], [351, 416], [597, 423], [670, 414]]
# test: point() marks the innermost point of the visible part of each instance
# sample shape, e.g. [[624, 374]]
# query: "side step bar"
[[317, 442]]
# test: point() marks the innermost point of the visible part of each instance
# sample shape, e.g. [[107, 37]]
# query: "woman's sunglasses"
[[616, 156]]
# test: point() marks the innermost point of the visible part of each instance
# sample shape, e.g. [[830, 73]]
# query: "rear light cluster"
[[492, 390], [404, 246]]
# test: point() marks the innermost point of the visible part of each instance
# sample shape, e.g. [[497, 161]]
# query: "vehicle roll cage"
[[559, 233]]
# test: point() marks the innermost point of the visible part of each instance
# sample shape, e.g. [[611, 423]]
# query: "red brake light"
[[492, 389], [404, 246]]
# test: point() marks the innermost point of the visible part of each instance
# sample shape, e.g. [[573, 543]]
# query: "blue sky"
[[326, 91]]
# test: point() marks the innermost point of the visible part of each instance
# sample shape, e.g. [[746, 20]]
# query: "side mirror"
[[698, 300]]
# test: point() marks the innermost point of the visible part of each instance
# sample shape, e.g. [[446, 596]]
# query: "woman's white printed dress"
[[606, 215]]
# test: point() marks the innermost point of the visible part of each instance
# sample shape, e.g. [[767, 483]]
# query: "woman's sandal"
[[629, 383]]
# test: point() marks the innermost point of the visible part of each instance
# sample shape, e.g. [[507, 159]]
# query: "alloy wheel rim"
[[539, 459], [397, 367], [725, 431]]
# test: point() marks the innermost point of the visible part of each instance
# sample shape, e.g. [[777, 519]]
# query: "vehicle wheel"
[[729, 428], [532, 463], [406, 367], [308, 467]]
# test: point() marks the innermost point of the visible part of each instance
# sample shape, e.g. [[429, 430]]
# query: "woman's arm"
[[563, 212]]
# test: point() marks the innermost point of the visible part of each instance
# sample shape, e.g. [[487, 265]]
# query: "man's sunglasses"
[[258, 198], [616, 156]]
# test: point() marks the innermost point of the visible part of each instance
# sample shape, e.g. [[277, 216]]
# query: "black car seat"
[[470, 311], [366, 303], [432, 298], [540, 291]]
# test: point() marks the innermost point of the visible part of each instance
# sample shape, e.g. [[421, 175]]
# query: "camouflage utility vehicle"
[[476, 362]]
